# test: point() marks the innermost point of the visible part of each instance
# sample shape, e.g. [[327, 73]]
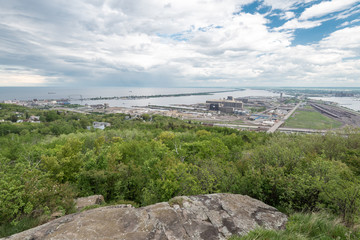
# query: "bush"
[[27, 192], [283, 176], [306, 227]]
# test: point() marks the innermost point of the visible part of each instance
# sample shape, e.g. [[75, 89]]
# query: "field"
[[311, 120]]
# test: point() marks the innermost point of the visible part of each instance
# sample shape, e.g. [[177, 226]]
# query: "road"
[[279, 123], [281, 129], [239, 126], [302, 130]]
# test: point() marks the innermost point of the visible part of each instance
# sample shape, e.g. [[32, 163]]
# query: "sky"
[[180, 43]]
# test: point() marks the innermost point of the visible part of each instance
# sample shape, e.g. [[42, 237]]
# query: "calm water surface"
[[349, 102], [29, 93]]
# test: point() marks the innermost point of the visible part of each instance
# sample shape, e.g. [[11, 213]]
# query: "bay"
[[348, 102], [74, 94]]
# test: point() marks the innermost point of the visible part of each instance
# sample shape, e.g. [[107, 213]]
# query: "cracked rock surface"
[[214, 216]]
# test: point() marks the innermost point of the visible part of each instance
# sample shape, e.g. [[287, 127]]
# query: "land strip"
[[160, 95]]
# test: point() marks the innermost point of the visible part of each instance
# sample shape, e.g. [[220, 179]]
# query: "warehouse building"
[[228, 105]]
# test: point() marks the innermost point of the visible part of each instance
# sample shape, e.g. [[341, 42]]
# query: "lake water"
[[29, 93], [349, 102]]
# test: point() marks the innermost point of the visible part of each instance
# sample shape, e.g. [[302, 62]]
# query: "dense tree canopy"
[[43, 166]]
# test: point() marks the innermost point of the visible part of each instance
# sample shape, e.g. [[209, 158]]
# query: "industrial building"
[[228, 105]]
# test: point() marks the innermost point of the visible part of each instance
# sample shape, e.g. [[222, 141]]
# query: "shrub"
[[306, 227]]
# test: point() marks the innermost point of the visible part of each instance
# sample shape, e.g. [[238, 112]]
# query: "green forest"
[[150, 158]]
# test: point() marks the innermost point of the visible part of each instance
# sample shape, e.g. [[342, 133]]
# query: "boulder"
[[82, 202], [208, 217], [56, 215]]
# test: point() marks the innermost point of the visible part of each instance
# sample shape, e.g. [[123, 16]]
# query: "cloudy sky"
[[177, 43]]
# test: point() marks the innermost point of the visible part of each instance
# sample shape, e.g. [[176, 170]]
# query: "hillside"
[[148, 159]]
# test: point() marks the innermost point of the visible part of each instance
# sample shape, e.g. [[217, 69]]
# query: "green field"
[[311, 120]]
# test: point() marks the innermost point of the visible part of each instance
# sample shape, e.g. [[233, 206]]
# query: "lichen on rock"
[[214, 216]]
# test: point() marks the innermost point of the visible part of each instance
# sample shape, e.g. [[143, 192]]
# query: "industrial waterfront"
[[244, 109]]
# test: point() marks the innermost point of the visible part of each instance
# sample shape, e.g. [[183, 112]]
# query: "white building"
[[101, 125], [34, 118]]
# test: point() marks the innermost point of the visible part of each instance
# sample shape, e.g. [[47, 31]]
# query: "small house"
[[101, 125]]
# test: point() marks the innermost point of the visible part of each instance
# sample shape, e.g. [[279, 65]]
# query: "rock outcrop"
[[214, 216], [82, 202]]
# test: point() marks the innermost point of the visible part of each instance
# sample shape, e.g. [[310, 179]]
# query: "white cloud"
[[347, 23], [326, 7], [282, 4], [349, 12], [288, 15], [296, 24], [347, 38], [166, 43], [242, 32], [20, 77]]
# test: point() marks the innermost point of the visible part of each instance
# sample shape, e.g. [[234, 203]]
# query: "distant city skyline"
[[174, 43]]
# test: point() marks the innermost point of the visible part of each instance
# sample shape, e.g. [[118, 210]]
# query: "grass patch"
[[176, 201], [235, 121], [306, 227], [311, 120], [308, 107], [8, 229], [256, 109]]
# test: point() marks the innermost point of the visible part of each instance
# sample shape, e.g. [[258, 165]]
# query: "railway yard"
[[346, 117]]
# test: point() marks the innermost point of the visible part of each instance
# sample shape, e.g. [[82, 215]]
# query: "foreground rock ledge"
[[214, 216]]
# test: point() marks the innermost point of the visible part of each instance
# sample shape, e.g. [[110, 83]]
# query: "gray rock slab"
[[214, 216], [82, 202]]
